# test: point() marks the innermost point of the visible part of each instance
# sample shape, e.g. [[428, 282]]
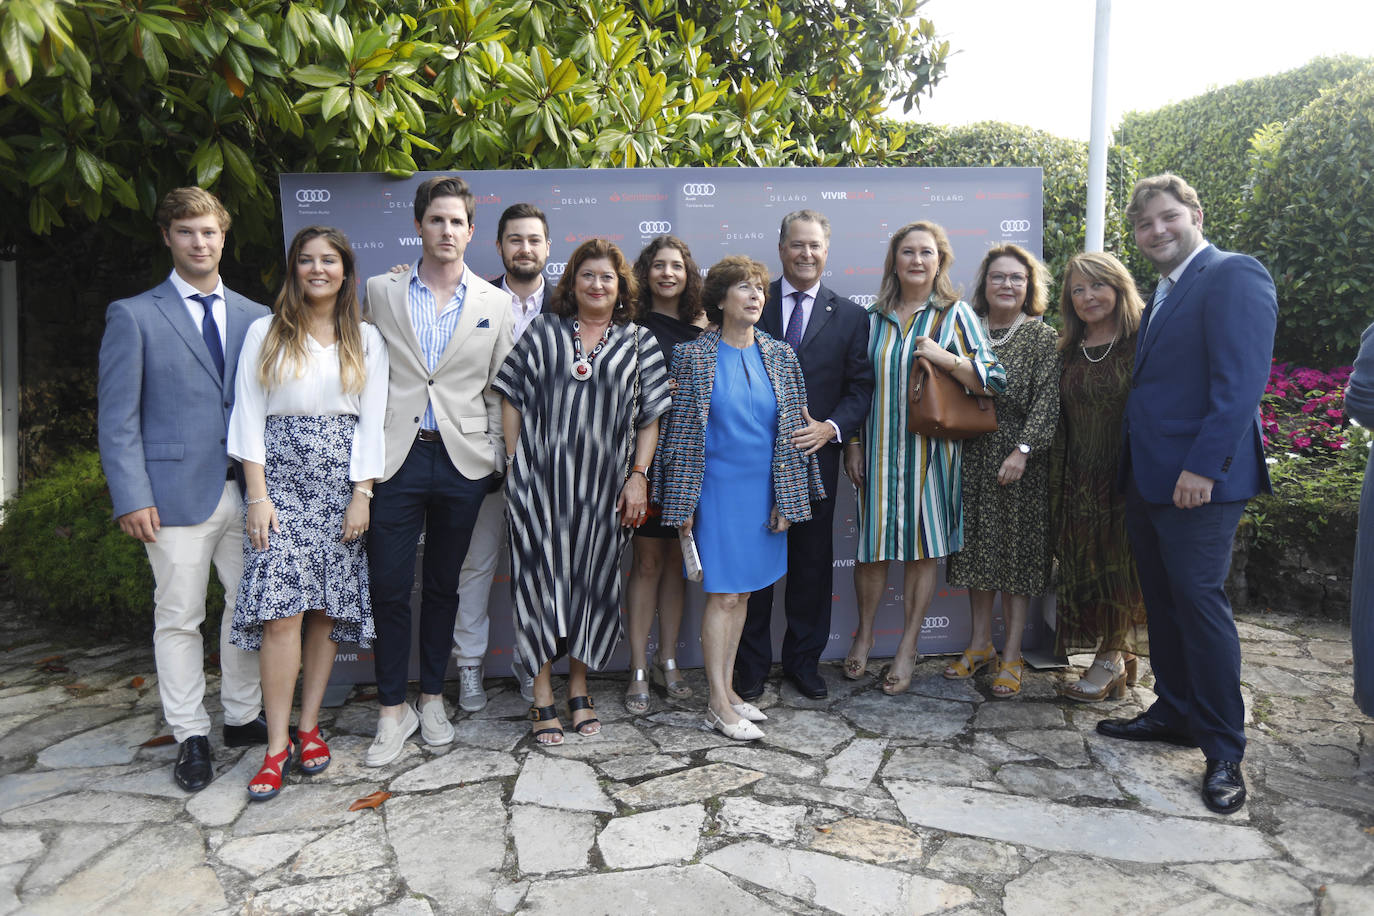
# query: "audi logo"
[[555, 268], [864, 301], [1015, 225], [312, 196], [655, 227], [698, 190], [935, 623]]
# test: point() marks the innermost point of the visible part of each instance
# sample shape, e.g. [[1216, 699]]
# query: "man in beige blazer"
[[447, 332]]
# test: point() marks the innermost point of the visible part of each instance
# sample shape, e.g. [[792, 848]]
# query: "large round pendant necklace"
[[1010, 330], [582, 365]]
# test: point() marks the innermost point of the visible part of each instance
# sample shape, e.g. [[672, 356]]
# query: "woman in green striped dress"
[[908, 485]]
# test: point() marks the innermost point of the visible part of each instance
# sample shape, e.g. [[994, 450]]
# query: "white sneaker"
[[471, 696], [435, 728], [391, 737]]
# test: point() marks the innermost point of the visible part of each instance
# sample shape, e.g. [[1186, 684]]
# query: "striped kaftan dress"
[[561, 492], [910, 506]]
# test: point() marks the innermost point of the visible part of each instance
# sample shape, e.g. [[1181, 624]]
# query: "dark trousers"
[[427, 494], [808, 593], [1183, 556]]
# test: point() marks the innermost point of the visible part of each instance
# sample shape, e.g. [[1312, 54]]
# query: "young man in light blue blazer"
[[167, 364]]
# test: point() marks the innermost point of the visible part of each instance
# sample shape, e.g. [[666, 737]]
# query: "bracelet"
[[254, 502], [510, 459], [363, 490], [642, 469]]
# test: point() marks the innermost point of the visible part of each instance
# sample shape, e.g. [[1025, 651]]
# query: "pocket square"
[[484, 323]]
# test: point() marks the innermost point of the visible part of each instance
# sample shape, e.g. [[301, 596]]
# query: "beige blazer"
[[467, 410]]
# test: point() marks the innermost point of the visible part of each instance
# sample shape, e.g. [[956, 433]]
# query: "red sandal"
[[312, 749], [273, 765]]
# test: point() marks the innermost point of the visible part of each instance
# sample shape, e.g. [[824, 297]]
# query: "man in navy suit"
[[830, 335], [167, 364], [522, 238], [1192, 455]]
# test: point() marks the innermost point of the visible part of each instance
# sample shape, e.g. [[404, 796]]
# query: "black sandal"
[[576, 704], [543, 714]]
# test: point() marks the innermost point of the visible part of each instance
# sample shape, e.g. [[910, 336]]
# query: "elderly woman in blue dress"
[[310, 395], [726, 471]]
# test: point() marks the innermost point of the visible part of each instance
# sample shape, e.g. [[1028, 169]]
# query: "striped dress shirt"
[[433, 327]]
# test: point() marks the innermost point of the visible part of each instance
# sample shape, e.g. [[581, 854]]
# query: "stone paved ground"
[[940, 800]]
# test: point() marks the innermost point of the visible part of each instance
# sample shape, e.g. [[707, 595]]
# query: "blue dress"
[[738, 552]]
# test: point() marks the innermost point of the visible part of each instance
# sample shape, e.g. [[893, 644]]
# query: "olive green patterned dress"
[[1007, 528], [1100, 606]]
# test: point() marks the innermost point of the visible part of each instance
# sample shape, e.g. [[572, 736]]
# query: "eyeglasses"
[[1007, 279]]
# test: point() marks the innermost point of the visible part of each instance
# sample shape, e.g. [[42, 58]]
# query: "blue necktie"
[[1161, 293], [793, 335], [210, 330]]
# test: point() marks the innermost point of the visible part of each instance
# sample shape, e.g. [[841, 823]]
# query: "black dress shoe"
[[1144, 728], [1223, 787], [250, 733], [193, 771], [810, 685], [748, 690]]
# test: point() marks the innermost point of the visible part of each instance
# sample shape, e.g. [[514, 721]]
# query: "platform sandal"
[[313, 749], [970, 663], [270, 774]]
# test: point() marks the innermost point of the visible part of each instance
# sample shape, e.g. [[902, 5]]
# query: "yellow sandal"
[[970, 663], [1008, 680]]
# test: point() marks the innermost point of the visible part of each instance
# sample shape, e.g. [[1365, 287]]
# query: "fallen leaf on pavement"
[[159, 741], [370, 801]]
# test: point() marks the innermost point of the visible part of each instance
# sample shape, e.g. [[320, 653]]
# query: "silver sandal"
[[637, 704], [678, 689]]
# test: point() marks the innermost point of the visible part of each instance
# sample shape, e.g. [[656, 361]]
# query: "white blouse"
[[316, 392]]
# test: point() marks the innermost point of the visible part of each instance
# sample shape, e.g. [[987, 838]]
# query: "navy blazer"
[[833, 356], [163, 410], [1201, 366], [679, 460]]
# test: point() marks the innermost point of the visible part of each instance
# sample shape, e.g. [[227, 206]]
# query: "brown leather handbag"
[[938, 404]]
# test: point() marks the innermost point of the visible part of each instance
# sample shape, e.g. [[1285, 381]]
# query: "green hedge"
[[1309, 216], [67, 557], [1065, 166], [1206, 139]]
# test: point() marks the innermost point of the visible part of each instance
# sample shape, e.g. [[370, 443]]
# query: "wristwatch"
[[1023, 448]]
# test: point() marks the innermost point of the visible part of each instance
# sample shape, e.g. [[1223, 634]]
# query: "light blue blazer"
[[163, 409]]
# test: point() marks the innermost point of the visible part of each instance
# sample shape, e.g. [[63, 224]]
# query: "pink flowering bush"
[[1303, 411]]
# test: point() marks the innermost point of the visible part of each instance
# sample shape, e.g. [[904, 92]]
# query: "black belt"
[[429, 435]]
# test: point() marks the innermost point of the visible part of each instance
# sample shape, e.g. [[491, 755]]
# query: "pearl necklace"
[[1011, 329], [1084, 347]]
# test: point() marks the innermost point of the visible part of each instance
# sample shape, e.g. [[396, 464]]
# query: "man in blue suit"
[[830, 335], [1192, 455], [166, 389]]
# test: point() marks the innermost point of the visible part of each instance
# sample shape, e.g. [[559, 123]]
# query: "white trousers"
[[181, 560], [470, 628]]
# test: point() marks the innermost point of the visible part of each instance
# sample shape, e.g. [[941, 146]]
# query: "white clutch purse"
[[691, 560]]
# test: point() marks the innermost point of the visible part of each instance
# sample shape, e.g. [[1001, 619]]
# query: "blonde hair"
[[890, 292], [1103, 267], [285, 343]]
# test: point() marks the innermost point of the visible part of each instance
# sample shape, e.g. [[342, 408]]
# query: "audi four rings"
[[312, 196], [655, 226], [555, 268], [698, 189], [1016, 225], [935, 622]]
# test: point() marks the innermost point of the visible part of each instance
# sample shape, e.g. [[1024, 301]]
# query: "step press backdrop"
[[717, 212]]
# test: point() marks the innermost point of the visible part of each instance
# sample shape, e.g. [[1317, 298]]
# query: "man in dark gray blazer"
[[167, 364], [830, 335]]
